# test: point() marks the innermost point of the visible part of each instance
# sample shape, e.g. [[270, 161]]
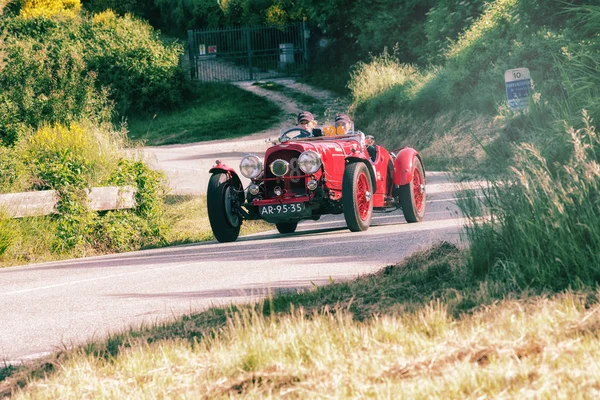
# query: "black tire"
[[358, 207], [413, 207], [225, 224], [286, 227]]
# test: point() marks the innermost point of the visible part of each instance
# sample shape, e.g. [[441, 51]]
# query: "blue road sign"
[[518, 84]]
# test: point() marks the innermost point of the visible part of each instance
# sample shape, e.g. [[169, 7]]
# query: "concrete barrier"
[[35, 204]]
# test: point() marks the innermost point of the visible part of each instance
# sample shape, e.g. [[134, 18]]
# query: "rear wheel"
[[412, 196], [286, 227], [357, 197], [221, 197]]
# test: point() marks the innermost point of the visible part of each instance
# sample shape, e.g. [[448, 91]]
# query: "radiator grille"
[[294, 181]]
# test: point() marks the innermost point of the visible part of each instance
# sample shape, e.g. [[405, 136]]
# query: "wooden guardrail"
[[33, 204]]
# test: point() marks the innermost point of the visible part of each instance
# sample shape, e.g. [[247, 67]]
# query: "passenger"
[[343, 124]]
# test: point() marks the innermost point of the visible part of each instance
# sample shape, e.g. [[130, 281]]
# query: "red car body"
[[347, 181]]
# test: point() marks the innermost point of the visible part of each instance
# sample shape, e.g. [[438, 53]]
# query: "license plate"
[[282, 209]]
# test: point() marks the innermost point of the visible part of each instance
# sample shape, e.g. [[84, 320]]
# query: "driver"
[[306, 121]]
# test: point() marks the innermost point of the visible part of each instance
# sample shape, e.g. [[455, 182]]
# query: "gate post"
[[249, 47], [191, 55], [306, 36]]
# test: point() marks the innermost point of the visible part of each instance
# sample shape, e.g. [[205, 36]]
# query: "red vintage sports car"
[[307, 175]]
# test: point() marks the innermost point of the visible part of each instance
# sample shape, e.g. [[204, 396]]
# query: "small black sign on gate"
[[251, 53]]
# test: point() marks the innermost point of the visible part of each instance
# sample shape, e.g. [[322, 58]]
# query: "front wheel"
[[286, 227], [221, 198], [357, 197], [412, 196]]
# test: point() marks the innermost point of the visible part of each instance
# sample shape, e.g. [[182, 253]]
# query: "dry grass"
[[542, 348], [189, 221], [342, 342]]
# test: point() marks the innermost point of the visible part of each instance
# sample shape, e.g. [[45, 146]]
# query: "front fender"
[[369, 167], [404, 166], [222, 168]]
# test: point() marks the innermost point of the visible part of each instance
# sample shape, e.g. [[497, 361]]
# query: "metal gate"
[[240, 54]]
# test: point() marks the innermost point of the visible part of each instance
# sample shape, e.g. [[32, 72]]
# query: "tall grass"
[[544, 226]]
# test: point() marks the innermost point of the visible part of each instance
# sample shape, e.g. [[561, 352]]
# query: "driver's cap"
[[305, 116]]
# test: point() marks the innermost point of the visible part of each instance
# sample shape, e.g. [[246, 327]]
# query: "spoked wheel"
[[413, 196], [286, 227], [357, 197], [221, 196]]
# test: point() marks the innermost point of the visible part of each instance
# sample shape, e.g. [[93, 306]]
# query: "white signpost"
[[518, 83]]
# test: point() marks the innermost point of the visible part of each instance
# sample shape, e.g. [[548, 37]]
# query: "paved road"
[[46, 307]]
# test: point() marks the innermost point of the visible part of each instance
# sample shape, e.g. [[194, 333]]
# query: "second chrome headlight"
[[251, 166], [309, 162]]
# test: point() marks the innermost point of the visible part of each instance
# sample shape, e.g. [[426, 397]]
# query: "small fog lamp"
[[277, 191], [312, 184], [254, 190]]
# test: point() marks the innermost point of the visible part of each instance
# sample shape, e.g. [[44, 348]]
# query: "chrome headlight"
[[251, 166], [309, 162], [280, 167]]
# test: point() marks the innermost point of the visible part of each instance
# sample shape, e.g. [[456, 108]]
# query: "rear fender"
[[222, 168], [404, 166], [369, 167]]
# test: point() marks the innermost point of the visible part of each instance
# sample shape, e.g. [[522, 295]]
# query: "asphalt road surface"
[[56, 305]]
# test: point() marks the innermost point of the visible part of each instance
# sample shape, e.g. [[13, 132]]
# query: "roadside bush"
[[45, 80], [445, 21], [12, 171], [63, 71], [142, 72], [63, 157], [149, 197], [119, 231], [69, 160]]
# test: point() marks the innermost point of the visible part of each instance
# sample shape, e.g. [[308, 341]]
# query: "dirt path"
[[186, 166]]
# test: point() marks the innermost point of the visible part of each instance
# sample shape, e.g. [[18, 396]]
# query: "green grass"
[[214, 111], [425, 328]]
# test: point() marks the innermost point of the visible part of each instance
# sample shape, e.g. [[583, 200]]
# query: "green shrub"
[[62, 157], [142, 72], [45, 79], [69, 160], [149, 196], [445, 21], [119, 231], [63, 71], [12, 171]]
